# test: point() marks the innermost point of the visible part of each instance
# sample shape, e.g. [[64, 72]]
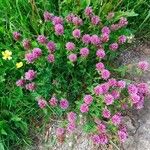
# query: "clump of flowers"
[[71, 68], [34, 55]]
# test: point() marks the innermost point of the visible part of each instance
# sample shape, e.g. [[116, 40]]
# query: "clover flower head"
[[72, 117], [101, 128], [88, 11], [37, 52], [100, 66], [105, 37], [100, 53], [143, 88], [88, 99], [71, 127], [84, 108], [77, 21], [53, 101], [26, 44], [114, 27], [113, 46], [105, 74], [84, 52], [106, 30], [110, 15], [51, 58], [86, 38], [70, 17], [76, 33], [106, 113], [121, 84], [115, 94], [30, 75], [112, 82], [42, 39], [116, 119], [95, 39], [96, 139], [16, 36], [95, 20], [29, 57], [109, 99], [42, 103], [57, 20], [70, 46], [123, 22], [143, 65], [135, 98], [30, 86], [101, 89], [47, 16], [72, 57], [64, 104], [20, 83], [122, 39], [59, 29], [122, 135], [132, 89], [60, 131], [103, 139], [51, 46]]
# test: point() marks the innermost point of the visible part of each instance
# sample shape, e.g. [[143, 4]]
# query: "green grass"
[[18, 110], [140, 9]]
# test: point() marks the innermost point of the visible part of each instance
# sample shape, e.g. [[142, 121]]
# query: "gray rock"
[[139, 136]]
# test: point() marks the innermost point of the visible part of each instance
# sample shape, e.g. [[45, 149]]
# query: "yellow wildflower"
[[7, 54], [19, 64]]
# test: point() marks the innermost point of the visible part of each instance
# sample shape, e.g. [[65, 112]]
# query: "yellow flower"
[[19, 64], [7, 55]]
